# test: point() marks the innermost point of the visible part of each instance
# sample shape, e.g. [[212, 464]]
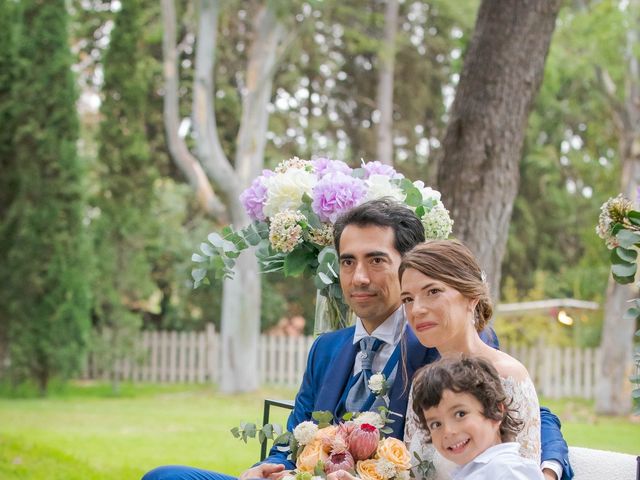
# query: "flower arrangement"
[[619, 226], [357, 445], [293, 209]]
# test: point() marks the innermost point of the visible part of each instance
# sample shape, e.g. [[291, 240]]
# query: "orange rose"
[[327, 436], [395, 451], [366, 470], [310, 455]]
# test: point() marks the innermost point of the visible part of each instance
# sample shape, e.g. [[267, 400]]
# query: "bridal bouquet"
[[357, 445], [293, 209]]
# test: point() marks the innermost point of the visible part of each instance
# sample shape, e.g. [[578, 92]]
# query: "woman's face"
[[439, 315]]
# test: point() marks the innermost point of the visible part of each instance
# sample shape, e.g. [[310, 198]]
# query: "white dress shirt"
[[500, 462], [389, 332]]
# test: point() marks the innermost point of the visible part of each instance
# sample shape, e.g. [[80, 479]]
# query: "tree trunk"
[[180, 154], [386, 58], [241, 295], [479, 172]]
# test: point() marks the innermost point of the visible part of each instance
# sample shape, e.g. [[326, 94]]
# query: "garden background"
[[130, 127]]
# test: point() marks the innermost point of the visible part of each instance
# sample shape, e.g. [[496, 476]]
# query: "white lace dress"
[[525, 404]]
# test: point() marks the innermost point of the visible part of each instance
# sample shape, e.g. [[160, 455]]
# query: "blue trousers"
[[179, 472]]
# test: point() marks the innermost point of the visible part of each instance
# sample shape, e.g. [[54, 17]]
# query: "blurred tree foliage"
[[46, 268], [144, 221]]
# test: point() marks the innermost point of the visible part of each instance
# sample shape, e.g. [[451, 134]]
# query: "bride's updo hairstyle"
[[452, 263]]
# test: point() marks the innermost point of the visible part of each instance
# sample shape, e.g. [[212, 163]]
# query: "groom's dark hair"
[[384, 212]]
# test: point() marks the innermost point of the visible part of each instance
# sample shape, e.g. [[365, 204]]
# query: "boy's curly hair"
[[475, 376]]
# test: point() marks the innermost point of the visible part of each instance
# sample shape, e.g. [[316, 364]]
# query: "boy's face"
[[459, 430]]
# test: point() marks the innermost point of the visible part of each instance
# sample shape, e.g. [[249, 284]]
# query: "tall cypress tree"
[[47, 276], [125, 227], [8, 40]]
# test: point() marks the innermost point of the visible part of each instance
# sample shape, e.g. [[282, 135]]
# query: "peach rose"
[[366, 470], [311, 454], [395, 451]]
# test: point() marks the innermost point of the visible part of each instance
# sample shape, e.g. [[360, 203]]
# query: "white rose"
[[372, 418], [285, 190], [379, 186], [376, 382], [305, 432], [426, 192]]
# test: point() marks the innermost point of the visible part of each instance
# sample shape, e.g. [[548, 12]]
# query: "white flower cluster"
[[305, 432], [372, 418], [385, 468], [294, 162], [437, 223], [285, 231], [612, 211]]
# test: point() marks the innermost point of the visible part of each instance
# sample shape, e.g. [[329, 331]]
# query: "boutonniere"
[[378, 384]]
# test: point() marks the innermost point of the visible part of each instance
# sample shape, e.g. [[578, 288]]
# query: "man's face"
[[369, 265]]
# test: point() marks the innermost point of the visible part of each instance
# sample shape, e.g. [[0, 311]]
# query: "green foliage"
[[47, 272], [124, 225]]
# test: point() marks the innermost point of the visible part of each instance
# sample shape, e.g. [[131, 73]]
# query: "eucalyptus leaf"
[[198, 258], [207, 250], [622, 255], [631, 314], [215, 239], [627, 238], [622, 280], [198, 274], [413, 198], [634, 217], [325, 279], [624, 269]]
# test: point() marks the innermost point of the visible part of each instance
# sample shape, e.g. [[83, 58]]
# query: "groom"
[[370, 240]]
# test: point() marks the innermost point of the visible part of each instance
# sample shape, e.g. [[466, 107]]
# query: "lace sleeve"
[[417, 441], [526, 408]]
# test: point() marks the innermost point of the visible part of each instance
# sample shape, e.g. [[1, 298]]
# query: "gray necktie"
[[359, 391]]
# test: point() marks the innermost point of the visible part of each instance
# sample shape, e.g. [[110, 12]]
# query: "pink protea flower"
[[339, 444], [346, 428], [363, 441], [339, 461]]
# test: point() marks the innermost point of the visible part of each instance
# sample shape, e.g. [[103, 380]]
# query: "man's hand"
[[265, 470], [549, 474]]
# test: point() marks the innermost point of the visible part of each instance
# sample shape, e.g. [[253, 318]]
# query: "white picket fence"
[[195, 357]]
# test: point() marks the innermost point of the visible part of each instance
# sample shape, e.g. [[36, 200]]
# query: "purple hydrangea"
[[325, 166], [379, 168], [335, 194], [254, 197]]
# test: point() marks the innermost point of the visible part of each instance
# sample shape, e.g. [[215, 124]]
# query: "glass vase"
[[332, 313]]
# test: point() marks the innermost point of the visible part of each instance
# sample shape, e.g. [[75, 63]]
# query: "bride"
[[447, 303]]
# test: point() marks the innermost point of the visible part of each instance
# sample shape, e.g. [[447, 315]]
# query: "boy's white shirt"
[[501, 461]]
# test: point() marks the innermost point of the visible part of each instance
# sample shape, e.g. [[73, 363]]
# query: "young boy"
[[462, 405]]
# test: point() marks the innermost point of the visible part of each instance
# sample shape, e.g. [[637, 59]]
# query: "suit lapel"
[[337, 376]]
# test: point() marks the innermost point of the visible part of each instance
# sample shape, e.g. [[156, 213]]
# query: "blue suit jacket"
[[330, 365]]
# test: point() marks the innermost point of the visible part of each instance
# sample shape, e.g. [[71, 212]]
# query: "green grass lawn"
[[85, 433]]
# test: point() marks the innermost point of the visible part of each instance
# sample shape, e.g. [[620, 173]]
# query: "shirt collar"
[[488, 455], [389, 332]]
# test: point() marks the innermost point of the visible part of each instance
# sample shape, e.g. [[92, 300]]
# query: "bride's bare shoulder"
[[507, 366]]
